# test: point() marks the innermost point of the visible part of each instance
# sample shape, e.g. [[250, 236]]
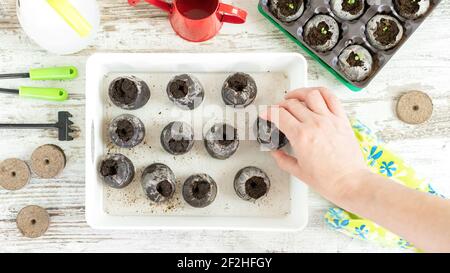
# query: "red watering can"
[[198, 20]]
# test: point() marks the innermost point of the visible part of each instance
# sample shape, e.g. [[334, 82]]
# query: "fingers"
[[331, 101], [316, 103], [285, 162], [297, 109], [284, 120]]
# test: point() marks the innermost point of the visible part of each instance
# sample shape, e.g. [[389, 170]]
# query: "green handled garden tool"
[[42, 74]]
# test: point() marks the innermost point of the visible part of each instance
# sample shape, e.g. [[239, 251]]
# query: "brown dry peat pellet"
[[32, 221], [14, 174], [48, 161], [414, 107]]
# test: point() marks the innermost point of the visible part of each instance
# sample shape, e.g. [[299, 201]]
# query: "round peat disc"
[[32, 221], [414, 107], [47, 161], [14, 174]]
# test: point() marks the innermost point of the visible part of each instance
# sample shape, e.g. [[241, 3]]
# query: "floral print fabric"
[[381, 161]]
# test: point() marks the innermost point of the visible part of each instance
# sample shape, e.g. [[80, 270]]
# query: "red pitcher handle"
[[157, 3], [232, 14]]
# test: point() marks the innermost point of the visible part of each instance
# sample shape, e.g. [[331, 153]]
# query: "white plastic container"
[[283, 209]]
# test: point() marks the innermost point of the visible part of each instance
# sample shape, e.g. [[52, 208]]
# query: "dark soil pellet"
[[164, 188], [200, 189], [109, 168], [125, 91], [238, 82], [408, 6], [125, 130], [319, 35], [352, 8], [354, 60], [387, 31], [289, 7], [179, 145], [179, 89], [255, 187]]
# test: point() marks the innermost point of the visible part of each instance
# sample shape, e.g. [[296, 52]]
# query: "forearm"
[[418, 217]]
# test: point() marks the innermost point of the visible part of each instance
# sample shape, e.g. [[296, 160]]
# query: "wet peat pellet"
[[221, 141], [239, 90], [129, 93], [158, 182], [185, 91], [116, 170], [126, 131], [251, 183], [199, 190], [177, 138]]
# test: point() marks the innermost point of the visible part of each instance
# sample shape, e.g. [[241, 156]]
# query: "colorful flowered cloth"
[[382, 161]]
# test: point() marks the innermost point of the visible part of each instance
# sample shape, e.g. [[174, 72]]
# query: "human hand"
[[326, 154]]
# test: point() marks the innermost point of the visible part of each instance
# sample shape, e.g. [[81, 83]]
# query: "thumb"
[[286, 162]]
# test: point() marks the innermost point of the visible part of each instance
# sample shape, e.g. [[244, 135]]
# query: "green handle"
[[44, 93], [54, 73]]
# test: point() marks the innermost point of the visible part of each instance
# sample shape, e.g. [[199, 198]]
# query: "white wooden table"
[[423, 63]]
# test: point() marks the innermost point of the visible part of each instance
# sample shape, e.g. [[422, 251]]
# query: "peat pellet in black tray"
[[384, 31], [14, 174], [348, 9], [356, 62], [129, 92], [47, 161], [251, 183], [287, 10], [199, 190], [414, 107], [33, 221], [321, 33], [412, 9], [393, 22]]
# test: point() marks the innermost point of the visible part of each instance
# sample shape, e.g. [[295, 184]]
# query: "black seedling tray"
[[351, 33]]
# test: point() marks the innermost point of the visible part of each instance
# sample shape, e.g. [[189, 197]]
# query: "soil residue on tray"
[[408, 6], [319, 34], [255, 187], [386, 32], [109, 167], [289, 7], [179, 145], [352, 6], [354, 60], [164, 188], [179, 89], [238, 82], [125, 91], [125, 130], [200, 189]]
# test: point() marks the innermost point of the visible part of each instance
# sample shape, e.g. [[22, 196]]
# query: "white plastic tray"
[[285, 206]]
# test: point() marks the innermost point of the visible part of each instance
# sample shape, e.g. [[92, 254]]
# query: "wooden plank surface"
[[423, 63]]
